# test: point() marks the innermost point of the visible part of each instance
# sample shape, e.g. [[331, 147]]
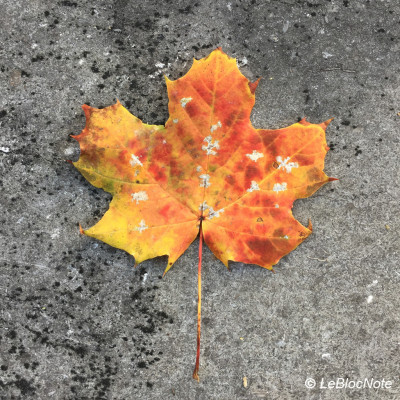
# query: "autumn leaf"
[[207, 171]]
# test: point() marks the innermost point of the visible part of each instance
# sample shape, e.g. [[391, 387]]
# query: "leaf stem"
[[196, 368]]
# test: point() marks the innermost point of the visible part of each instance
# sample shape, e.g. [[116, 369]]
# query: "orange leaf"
[[207, 168]]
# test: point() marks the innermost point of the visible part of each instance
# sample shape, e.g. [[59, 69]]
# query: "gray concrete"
[[78, 322]]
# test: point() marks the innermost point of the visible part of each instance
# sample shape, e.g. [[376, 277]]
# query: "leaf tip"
[[222, 53], [170, 263], [304, 121], [253, 85], [75, 137], [309, 227], [81, 230], [87, 110], [332, 179], [226, 263], [324, 124]]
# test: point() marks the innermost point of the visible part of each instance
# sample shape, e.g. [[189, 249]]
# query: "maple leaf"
[[207, 170]]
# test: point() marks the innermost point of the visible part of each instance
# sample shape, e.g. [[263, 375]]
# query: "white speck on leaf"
[[280, 187], [276, 205], [255, 155], [254, 186], [205, 180], [139, 196], [135, 161], [216, 126], [209, 148], [211, 213], [175, 121], [185, 100], [283, 163], [142, 226], [198, 168]]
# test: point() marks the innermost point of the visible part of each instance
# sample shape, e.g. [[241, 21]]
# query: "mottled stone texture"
[[78, 322]]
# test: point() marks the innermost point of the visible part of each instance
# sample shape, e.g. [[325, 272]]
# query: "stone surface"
[[78, 321]]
